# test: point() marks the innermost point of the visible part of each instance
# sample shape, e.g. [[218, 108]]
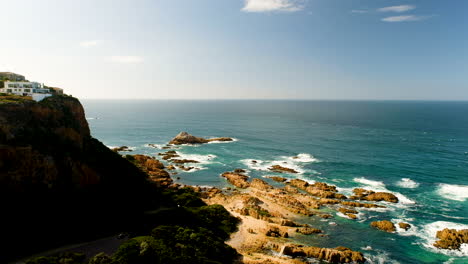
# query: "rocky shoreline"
[[271, 216]]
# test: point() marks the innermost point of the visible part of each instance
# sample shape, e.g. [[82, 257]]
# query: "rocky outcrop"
[[308, 231], [451, 238], [237, 179], [384, 225], [404, 226], [169, 155], [281, 169], [121, 149], [277, 179], [363, 194], [183, 161], [332, 255], [318, 189], [364, 205], [260, 184], [185, 138], [155, 170], [276, 232], [351, 213]]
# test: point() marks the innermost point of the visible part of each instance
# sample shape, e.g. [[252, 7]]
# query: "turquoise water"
[[417, 150]]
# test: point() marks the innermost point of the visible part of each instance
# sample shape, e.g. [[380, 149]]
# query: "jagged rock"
[[239, 171], [318, 189], [451, 238], [183, 161], [186, 138], [281, 169], [308, 231], [363, 194], [237, 179], [325, 216], [275, 232], [287, 222], [384, 225], [256, 212], [381, 196], [171, 167], [182, 167], [121, 149], [404, 226], [365, 205], [277, 179], [336, 255], [260, 184], [223, 139], [347, 211]]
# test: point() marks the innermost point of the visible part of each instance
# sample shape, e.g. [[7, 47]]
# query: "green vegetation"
[[11, 98], [186, 231]]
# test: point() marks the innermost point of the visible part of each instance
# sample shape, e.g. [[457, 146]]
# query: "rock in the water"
[[239, 171], [121, 149], [186, 138], [451, 238], [404, 226], [363, 194], [332, 255], [237, 179], [384, 225], [308, 231], [182, 161], [281, 169]]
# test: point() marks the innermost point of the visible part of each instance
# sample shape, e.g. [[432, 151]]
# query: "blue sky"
[[231, 49]]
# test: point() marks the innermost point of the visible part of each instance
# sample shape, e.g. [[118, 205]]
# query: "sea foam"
[[407, 183], [380, 187], [293, 162], [453, 192]]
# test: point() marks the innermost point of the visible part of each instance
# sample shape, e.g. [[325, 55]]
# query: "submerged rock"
[[121, 149], [451, 238], [384, 225], [277, 179]]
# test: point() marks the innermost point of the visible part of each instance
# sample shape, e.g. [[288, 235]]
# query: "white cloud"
[[89, 43], [126, 59], [273, 5], [404, 18], [397, 9]]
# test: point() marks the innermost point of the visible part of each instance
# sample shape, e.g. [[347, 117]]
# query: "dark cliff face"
[[57, 183]]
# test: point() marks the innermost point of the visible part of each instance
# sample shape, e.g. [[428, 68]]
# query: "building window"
[[27, 90], [9, 91]]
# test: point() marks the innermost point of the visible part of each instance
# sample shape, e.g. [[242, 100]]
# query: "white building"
[[33, 89]]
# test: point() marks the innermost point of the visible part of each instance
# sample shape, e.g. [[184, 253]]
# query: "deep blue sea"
[[416, 150]]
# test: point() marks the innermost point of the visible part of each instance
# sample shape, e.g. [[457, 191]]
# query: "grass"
[[11, 98]]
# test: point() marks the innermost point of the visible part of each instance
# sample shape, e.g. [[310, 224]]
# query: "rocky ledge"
[[332, 255], [384, 225], [451, 238], [185, 138]]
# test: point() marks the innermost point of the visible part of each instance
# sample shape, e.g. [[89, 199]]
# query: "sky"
[[240, 49]]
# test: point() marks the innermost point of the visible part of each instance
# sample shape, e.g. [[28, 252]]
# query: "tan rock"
[[404, 226], [281, 169], [384, 225], [260, 184], [451, 238], [237, 179], [308, 231], [277, 179], [336, 255]]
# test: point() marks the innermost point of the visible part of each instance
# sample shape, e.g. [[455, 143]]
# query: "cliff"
[[57, 183]]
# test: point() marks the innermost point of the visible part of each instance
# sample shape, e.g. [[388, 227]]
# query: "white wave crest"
[[221, 142], [407, 183], [293, 162], [303, 157], [429, 233], [380, 187], [453, 192], [202, 160]]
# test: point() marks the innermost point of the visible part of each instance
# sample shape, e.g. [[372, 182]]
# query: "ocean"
[[416, 150]]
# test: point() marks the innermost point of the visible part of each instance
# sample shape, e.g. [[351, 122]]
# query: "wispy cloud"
[[89, 43], [273, 5], [404, 18], [126, 59], [397, 9]]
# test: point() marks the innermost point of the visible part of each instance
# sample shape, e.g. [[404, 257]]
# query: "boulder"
[[121, 149], [332, 255], [281, 169], [382, 196], [277, 179], [237, 179], [276, 232], [384, 225], [239, 171], [451, 238], [404, 226], [183, 161]]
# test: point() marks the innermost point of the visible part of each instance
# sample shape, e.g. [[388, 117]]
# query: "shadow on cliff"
[[59, 185]]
